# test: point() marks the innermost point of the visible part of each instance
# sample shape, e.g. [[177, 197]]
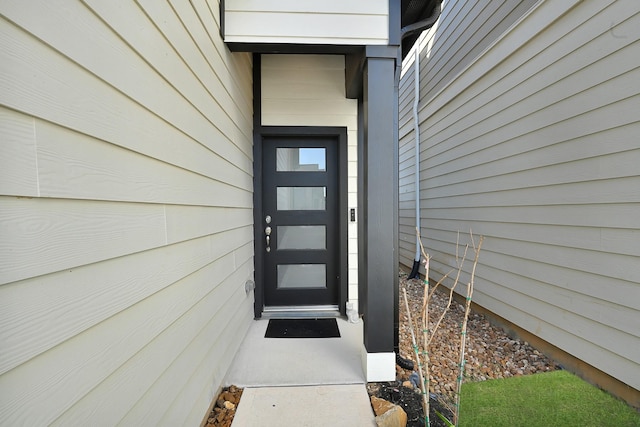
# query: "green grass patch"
[[550, 399]]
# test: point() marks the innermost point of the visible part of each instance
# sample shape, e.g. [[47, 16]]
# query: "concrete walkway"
[[310, 406], [301, 382]]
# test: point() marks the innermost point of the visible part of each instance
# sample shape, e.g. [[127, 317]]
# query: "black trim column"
[[258, 261], [378, 193]]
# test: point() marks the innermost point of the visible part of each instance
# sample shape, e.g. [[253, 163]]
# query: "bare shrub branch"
[[421, 350]]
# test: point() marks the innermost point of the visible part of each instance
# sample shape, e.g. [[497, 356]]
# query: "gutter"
[[425, 24]]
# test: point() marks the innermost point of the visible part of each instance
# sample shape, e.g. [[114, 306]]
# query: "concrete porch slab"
[[266, 362], [313, 406]]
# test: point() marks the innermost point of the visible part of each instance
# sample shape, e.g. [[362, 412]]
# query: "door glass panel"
[[292, 276], [300, 159], [302, 237], [301, 198]]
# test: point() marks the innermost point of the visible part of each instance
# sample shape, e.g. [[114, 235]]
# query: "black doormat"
[[302, 328]]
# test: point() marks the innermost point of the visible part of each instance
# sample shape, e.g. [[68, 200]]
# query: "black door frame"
[[340, 133]]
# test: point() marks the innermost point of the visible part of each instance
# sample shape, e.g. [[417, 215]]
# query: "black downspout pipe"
[[415, 269]]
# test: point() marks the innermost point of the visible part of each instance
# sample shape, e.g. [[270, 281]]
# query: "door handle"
[[267, 231]]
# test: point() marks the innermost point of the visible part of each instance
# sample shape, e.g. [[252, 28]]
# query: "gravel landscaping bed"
[[490, 354]]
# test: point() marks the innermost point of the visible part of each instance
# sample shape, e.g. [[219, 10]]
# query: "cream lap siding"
[[534, 145], [309, 90], [329, 22], [462, 32], [125, 211]]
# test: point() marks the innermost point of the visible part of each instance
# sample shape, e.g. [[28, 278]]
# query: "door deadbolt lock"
[[267, 232]]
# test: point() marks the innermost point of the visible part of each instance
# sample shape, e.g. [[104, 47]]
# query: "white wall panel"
[[356, 22]]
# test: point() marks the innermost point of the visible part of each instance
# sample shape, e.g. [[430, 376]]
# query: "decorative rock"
[[394, 417], [229, 396], [380, 406], [225, 408]]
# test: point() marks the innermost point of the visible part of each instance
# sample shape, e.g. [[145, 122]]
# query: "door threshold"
[[301, 311]]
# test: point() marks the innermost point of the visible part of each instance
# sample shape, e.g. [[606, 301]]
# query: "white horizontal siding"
[[309, 90], [335, 22], [125, 211], [534, 145]]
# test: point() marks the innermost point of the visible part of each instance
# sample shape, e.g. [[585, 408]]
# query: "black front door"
[[300, 229]]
